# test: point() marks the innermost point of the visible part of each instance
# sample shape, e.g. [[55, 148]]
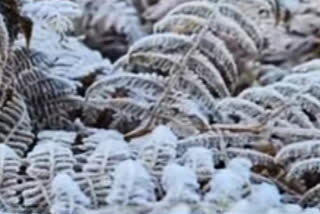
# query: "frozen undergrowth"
[[142, 135]]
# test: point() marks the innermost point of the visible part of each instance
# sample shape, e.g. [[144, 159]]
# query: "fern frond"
[[112, 113], [180, 184], [285, 89], [246, 24], [204, 9], [217, 52], [299, 168], [228, 31], [288, 135], [50, 99], [160, 9], [136, 190], [195, 90], [15, 123], [106, 156], [49, 159], [10, 164], [200, 160], [270, 74], [98, 136], [311, 198], [310, 106], [157, 150], [63, 138], [134, 86], [309, 66], [297, 118], [57, 14], [313, 89], [298, 151], [258, 159], [96, 188], [163, 42], [21, 60], [36, 195], [5, 43], [42, 9], [231, 109], [268, 99], [67, 196], [213, 141], [32, 84], [197, 64], [210, 46], [303, 79]]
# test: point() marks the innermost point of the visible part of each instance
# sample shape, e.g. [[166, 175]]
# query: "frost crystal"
[[180, 184], [68, 198], [230, 184], [133, 185]]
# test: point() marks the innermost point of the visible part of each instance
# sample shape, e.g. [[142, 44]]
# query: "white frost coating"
[[200, 160], [74, 56], [191, 108], [101, 68], [241, 166], [311, 211], [113, 147], [63, 138], [309, 66], [291, 5], [163, 133], [285, 209], [101, 136], [180, 209], [4, 42], [58, 14], [64, 183], [68, 198], [230, 184], [47, 147], [48, 159], [265, 196], [264, 199], [8, 151], [241, 207], [106, 156], [132, 185], [67, 57], [42, 8], [180, 184], [156, 150], [160, 134]]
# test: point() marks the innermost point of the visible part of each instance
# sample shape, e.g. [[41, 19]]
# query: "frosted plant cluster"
[[159, 107]]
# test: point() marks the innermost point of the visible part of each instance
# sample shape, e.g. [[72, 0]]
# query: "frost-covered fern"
[[16, 129], [67, 196], [184, 106], [136, 190]]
